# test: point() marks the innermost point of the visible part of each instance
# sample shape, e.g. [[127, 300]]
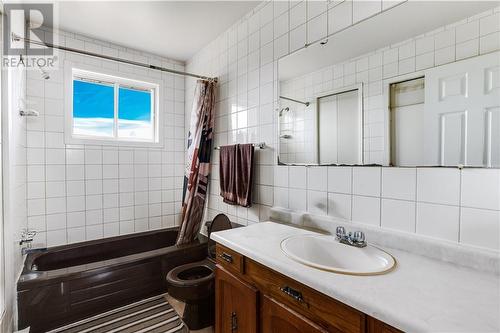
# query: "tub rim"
[[29, 277]]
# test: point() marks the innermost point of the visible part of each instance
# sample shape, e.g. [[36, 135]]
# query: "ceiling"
[[407, 20], [174, 29]]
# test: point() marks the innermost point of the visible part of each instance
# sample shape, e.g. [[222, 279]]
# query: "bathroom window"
[[111, 109]]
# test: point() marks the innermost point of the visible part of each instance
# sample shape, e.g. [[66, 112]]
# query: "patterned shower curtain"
[[198, 160]]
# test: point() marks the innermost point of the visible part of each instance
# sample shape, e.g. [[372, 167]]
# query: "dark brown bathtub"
[[63, 284]]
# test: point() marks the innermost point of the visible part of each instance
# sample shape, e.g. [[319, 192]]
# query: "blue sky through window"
[[93, 111], [134, 114], [134, 104], [92, 100]]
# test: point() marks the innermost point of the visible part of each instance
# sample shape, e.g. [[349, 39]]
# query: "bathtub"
[[66, 283]]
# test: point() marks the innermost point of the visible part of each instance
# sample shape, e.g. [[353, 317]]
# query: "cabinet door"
[[235, 304], [277, 318]]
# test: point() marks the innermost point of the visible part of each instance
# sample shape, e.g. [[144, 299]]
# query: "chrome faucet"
[[27, 237], [356, 238]]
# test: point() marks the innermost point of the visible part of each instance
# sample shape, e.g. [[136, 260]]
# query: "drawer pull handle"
[[295, 294], [226, 257]]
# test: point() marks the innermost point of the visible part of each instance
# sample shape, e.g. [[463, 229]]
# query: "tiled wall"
[[301, 124], [83, 192], [2, 260], [447, 203], [461, 206], [14, 180]]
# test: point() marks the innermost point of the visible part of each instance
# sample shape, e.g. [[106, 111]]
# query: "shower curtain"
[[199, 146]]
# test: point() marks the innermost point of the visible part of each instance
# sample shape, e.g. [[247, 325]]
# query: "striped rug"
[[152, 315]]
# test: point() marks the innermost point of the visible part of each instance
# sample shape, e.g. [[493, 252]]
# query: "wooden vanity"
[[253, 298]]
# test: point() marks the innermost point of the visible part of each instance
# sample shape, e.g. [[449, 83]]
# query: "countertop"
[[420, 295]]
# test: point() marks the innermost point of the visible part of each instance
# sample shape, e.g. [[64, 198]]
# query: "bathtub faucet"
[[27, 237]]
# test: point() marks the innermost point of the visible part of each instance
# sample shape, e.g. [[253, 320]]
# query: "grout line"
[[416, 202], [460, 206], [351, 171], [380, 206]]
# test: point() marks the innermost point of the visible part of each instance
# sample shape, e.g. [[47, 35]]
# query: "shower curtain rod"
[[97, 55], [295, 100]]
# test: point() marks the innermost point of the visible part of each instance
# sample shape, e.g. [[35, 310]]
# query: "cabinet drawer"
[[276, 317], [331, 314], [229, 259]]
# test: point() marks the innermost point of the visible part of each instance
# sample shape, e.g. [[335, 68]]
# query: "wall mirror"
[[424, 94]]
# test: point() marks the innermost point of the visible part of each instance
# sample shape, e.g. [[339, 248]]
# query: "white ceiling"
[[174, 29], [407, 20]]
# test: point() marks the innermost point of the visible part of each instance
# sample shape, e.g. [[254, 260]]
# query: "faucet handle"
[[358, 236], [340, 232], [28, 234]]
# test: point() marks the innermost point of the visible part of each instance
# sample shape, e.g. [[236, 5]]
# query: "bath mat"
[[152, 315]]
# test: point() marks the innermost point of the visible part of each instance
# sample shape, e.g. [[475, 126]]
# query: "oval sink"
[[326, 253]]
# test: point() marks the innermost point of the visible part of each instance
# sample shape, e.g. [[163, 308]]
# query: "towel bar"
[[261, 145]]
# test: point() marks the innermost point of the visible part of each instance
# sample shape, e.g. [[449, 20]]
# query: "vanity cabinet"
[[235, 304], [253, 298]]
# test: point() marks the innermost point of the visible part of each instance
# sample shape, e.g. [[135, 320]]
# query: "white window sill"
[[115, 143]]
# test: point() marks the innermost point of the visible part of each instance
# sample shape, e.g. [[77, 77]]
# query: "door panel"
[[235, 304], [457, 125], [277, 318], [493, 137]]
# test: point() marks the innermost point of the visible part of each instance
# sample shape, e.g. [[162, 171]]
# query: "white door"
[[339, 128], [328, 126], [462, 113]]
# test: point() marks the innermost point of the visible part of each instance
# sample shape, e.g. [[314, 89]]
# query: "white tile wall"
[[399, 183], [14, 188], [398, 214], [480, 227], [442, 203], [340, 179], [439, 221], [366, 181], [366, 210], [83, 192], [480, 188], [316, 178], [339, 205], [438, 185]]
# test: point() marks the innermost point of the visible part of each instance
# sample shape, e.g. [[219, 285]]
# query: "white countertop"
[[420, 295]]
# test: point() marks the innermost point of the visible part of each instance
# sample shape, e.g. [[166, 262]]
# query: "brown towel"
[[236, 174]]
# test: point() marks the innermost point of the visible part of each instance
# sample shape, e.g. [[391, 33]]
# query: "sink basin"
[[326, 253]]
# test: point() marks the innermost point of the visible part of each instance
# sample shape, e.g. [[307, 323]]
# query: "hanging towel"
[[236, 174]]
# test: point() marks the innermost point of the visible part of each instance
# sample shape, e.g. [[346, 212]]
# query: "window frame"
[[117, 80]]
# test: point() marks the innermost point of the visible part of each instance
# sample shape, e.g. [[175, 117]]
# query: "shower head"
[[283, 111], [43, 73]]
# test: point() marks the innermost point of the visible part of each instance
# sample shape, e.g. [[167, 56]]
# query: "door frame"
[[386, 92]]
